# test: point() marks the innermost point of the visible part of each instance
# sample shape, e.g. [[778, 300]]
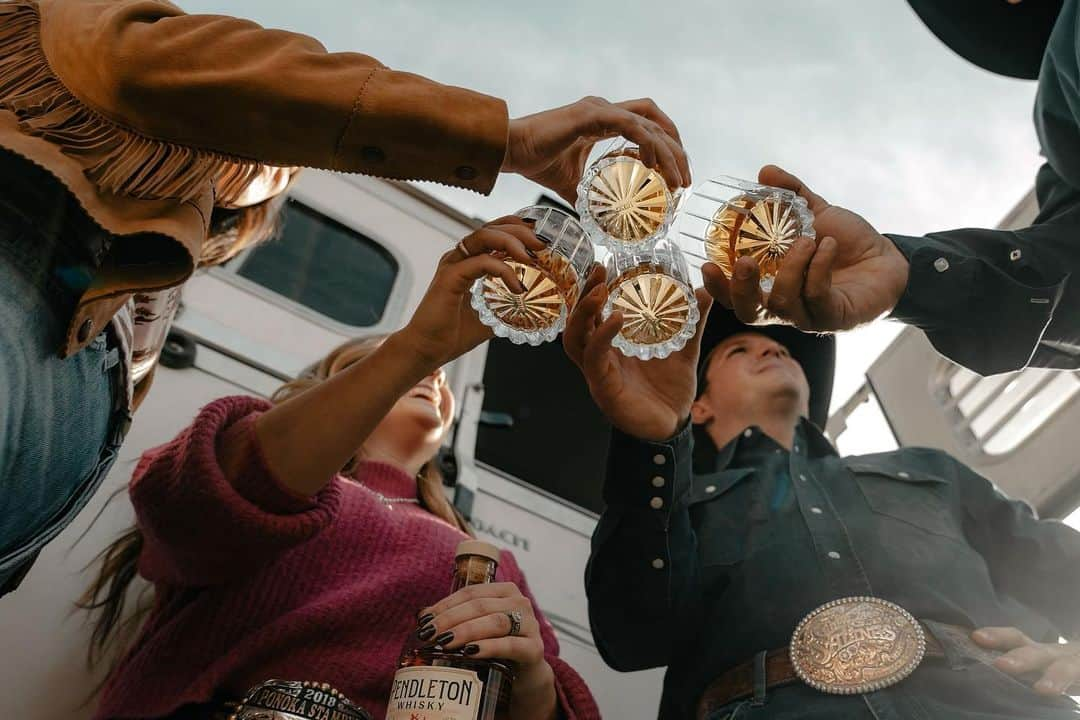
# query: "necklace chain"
[[388, 501]]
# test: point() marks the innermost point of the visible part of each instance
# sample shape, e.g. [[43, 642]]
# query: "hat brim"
[[997, 36], [815, 353]]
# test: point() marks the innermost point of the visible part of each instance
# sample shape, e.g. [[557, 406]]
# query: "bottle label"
[[435, 693]]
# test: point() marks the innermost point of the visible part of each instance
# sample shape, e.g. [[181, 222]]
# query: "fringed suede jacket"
[[150, 116]]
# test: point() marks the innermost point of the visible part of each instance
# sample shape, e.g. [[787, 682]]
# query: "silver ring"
[[515, 622], [462, 249]]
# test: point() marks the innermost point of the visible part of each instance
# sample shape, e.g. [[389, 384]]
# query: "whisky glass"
[[731, 218], [553, 281], [624, 204], [652, 290]]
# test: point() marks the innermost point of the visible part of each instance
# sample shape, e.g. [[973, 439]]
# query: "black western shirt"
[[698, 572]]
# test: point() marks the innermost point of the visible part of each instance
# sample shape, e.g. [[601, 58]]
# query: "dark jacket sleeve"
[[1034, 561], [1000, 300], [643, 561]]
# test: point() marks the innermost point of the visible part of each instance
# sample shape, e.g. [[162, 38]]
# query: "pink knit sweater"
[[254, 582]]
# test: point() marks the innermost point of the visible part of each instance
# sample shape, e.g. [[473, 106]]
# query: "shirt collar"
[[751, 445]]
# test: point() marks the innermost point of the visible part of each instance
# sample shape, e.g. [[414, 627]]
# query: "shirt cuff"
[[647, 475], [964, 305]]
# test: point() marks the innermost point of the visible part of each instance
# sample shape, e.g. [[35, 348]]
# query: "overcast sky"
[[857, 97]]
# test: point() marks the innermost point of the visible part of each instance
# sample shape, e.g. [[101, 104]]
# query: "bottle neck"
[[472, 570]]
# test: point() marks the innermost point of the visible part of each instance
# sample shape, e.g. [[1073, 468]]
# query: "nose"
[[771, 348]]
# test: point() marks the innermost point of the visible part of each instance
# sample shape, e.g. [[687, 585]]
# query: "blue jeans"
[[60, 419]]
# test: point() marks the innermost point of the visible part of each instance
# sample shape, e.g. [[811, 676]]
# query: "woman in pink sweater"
[[269, 560]]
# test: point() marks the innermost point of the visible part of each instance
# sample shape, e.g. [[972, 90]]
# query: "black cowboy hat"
[[815, 353], [994, 34]]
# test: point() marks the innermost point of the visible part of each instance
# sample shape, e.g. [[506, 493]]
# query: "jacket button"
[[372, 154], [466, 172], [941, 265], [84, 330]]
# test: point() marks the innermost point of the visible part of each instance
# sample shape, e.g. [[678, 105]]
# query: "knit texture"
[[254, 582]]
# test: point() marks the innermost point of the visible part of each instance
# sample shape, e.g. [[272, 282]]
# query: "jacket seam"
[[352, 116]]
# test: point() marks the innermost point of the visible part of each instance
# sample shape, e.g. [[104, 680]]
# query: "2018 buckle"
[[291, 700], [856, 645]]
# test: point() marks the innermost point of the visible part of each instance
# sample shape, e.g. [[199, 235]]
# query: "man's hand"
[[1057, 663], [852, 276], [649, 400], [550, 147]]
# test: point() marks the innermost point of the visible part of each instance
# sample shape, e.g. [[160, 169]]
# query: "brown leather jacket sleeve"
[[232, 87]]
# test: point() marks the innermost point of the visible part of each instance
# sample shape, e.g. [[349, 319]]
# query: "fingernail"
[[471, 649], [444, 639], [1007, 662], [981, 635], [1044, 685], [426, 633], [530, 221], [531, 254], [425, 619]]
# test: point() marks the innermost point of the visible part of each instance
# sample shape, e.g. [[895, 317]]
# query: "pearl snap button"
[[941, 264]]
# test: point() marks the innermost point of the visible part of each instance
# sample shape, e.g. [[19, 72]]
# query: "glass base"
[[624, 204], [531, 318], [762, 228], [660, 315]]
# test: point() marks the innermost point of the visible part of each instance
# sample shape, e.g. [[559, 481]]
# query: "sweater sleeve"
[[575, 700], [201, 527], [229, 87]]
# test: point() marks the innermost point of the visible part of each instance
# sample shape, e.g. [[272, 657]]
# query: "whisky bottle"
[[436, 684]]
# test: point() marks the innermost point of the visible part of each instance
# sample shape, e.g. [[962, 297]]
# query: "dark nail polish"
[[445, 638], [471, 649], [531, 254], [426, 633], [530, 221], [424, 619]]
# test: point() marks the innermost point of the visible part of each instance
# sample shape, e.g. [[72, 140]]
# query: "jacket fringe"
[[118, 160]]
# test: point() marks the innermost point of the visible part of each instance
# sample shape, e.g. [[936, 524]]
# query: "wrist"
[[899, 261], [508, 163], [413, 351], [534, 692]]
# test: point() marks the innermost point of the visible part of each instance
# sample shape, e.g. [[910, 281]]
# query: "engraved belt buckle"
[[856, 645], [293, 700]]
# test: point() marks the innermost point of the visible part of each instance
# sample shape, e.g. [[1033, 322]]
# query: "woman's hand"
[[550, 147], [477, 621], [445, 325], [1057, 663]]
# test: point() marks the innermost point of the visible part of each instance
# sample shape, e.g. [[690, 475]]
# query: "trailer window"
[[324, 266]]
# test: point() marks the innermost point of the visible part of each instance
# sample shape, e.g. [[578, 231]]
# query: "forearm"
[[642, 560], [309, 438], [228, 86], [969, 288]]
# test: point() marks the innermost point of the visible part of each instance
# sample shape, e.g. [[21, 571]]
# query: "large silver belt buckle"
[[292, 700], [856, 645]]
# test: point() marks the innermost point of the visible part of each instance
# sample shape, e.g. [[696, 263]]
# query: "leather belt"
[[847, 646]]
